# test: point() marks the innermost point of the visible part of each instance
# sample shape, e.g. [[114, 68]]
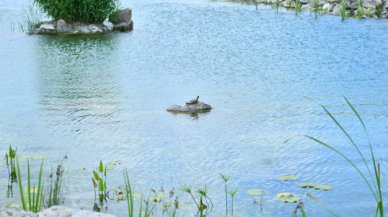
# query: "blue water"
[[105, 98]]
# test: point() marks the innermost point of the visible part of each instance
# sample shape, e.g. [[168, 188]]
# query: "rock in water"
[[125, 26], [62, 26], [123, 16], [200, 106], [108, 25], [94, 28]]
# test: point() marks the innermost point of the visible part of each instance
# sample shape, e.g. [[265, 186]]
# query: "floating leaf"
[[159, 197], [81, 170], [24, 157], [14, 205], [119, 195], [2, 163], [108, 168], [136, 194], [34, 190], [39, 157], [114, 162], [255, 192], [323, 187], [306, 184], [288, 197], [287, 177]]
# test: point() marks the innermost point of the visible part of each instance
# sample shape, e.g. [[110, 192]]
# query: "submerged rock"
[[200, 106]]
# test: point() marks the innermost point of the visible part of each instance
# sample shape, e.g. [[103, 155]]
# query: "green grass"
[[78, 10], [343, 9], [35, 203], [376, 182], [360, 9]]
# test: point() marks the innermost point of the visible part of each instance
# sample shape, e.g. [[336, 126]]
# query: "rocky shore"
[[55, 211], [123, 22], [371, 8]]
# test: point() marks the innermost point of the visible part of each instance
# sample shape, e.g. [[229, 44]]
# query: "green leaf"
[[287, 177], [255, 192], [288, 197], [96, 176], [306, 184], [101, 167], [101, 185], [323, 187]]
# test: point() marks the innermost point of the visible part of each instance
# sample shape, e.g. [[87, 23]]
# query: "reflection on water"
[[104, 97]]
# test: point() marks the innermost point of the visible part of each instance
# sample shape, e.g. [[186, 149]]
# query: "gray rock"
[[327, 7], [62, 26], [94, 28], [84, 29], [304, 1], [333, 1], [37, 31], [48, 27], [336, 10], [109, 26], [123, 16], [305, 7], [372, 3], [200, 106], [352, 4], [126, 26]]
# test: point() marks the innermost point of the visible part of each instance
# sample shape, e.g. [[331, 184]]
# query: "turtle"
[[193, 101]]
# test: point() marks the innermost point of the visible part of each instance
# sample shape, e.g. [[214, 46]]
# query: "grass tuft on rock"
[[78, 10]]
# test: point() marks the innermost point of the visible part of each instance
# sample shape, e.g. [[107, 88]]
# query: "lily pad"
[[39, 157], [24, 157], [14, 205], [119, 195], [159, 197], [114, 162], [81, 170], [323, 187], [287, 177], [34, 190], [2, 163], [255, 192], [136, 194], [108, 168], [288, 197], [306, 184]]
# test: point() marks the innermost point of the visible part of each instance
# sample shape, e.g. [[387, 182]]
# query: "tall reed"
[[376, 191], [360, 9], [226, 179], [343, 9]]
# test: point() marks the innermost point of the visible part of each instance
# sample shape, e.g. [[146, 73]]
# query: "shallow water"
[[105, 97]]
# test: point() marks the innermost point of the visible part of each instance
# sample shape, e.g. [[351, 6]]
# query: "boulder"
[[84, 29], [48, 27], [62, 26], [37, 31], [125, 26], [94, 28], [327, 7], [200, 106], [336, 10], [108, 25], [305, 7], [123, 16]]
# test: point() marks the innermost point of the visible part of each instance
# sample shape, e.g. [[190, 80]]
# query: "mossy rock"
[[287, 177], [323, 187], [306, 184], [255, 192]]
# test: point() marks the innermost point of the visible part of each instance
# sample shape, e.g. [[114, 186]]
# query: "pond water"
[[105, 98]]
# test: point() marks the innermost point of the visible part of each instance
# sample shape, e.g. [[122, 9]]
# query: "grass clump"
[[343, 9], [78, 10]]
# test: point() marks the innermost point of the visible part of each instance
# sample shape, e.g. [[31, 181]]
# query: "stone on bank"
[[122, 22]]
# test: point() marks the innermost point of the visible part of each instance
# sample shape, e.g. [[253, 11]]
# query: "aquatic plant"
[[232, 193], [55, 192], [129, 190], [30, 20], [99, 181], [300, 207], [256, 4], [377, 192], [343, 9], [226, 179], [316, 8], [203, 194], [277, 5], [76, 10], [320, 204], [35, 203], [378, 11], [298, 7], [360, 9]]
